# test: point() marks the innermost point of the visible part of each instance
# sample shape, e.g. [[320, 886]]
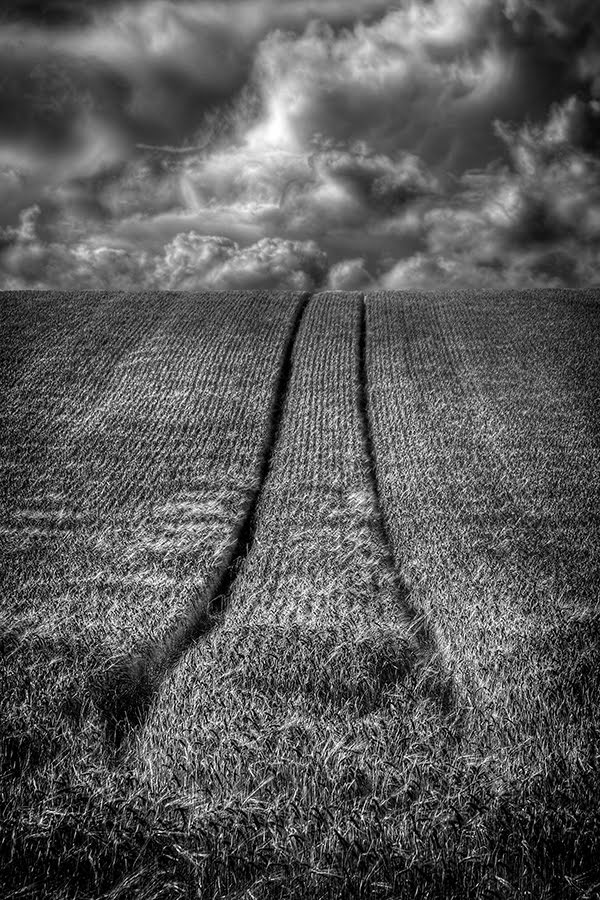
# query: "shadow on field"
[[472, 835], [429, 666], [330, 665], [124, 687], [337, 666]]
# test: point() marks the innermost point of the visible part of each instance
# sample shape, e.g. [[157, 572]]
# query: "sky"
[[299, 144]]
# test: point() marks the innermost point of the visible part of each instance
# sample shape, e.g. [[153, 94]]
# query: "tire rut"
[[427, 655]]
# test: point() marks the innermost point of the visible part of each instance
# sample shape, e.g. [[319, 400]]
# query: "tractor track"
[[428, 657], [127, 685]]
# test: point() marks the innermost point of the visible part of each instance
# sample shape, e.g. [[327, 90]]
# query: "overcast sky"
[[301, 144]]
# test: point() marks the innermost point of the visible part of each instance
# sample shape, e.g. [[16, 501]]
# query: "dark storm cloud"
[[45, 102], [292, 143], [556, 26], [535, 221], [65, 13], [148, 71], [51, 13]]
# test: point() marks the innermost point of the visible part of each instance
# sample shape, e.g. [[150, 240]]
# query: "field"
[[300, 595]]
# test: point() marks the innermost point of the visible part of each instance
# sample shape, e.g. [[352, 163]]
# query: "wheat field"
[[300, 595]]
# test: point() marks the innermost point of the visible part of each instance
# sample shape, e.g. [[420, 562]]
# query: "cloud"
[[563, 25], [349, 275], [255, 143], [536, 221], [152, 70], [395, 85], [271, 263], [263, 13], [190, 261], [29, 262]]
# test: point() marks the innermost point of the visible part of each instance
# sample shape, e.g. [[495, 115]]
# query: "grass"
[[399, 694]]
